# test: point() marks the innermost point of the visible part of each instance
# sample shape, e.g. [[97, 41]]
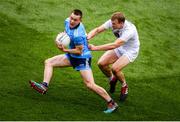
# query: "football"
[[63, 38]]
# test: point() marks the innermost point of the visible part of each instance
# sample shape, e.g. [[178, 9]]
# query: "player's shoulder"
[[81, 26], [80, 31], [108, 21], [107, 24], [67, 19], [129, 24]]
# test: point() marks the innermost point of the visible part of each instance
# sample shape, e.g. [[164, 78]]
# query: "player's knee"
[[101, 64], [89, 85], [47, 62]]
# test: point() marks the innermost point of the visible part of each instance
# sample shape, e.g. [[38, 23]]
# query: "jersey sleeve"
[[126, 35], [107, 24], [66, 22]]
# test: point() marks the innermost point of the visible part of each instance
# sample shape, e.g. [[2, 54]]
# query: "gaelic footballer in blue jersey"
[[77, 35], [77, 56]]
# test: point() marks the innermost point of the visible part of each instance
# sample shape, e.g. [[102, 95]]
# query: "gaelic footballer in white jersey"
[[128, 34]]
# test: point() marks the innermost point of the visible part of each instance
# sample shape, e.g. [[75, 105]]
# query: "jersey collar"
[[75, 27]]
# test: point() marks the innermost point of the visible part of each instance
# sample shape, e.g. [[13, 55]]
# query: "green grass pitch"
[[27, 32]]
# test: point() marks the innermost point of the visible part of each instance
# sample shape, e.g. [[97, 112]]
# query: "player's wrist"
[[66, 50]]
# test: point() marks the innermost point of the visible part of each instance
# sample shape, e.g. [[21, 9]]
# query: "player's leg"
[[88, 79], [117, 67], [56, 61], [109, 57], [104, 62]]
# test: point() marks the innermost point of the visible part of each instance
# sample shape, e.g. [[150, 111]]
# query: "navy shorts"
[[79, 63]]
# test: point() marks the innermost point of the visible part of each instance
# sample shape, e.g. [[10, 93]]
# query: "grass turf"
[[27, 31]]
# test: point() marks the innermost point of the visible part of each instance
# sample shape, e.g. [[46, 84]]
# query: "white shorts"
[[130, 53]]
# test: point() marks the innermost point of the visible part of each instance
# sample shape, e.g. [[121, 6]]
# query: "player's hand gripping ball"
[[63, 38]]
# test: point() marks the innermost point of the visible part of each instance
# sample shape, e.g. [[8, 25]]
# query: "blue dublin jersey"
[[78, 37]]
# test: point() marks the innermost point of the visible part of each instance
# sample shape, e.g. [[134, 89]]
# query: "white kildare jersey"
[[128, 34]]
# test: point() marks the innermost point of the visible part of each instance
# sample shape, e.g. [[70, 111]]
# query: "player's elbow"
[[79, 52], [118, 44], [98, 30]]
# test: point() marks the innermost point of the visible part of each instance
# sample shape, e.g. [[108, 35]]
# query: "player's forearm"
[[109, 46], [105, 47], [92, 33]]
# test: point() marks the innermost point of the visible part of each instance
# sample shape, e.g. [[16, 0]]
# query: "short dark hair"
[[77, 12], [119, 16]]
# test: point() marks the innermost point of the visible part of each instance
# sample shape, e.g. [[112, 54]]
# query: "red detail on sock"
[[124, 89]]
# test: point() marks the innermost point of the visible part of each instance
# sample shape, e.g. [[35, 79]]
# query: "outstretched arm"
[[95, 31], [108, 46]]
